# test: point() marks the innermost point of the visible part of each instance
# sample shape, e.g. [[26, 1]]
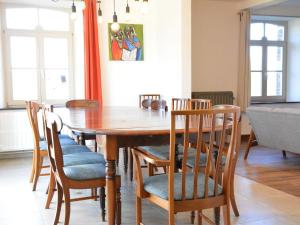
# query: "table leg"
[[111, 151]]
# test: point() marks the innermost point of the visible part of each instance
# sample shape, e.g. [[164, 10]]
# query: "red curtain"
[[93, 88]]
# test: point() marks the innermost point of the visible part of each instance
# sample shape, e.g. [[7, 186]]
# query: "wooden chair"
[[181, 103], [40, 146], [81, 176], [194, 190], [81, 137], [148, 98]]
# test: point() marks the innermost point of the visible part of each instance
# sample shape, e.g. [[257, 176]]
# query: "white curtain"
[[244, 81]]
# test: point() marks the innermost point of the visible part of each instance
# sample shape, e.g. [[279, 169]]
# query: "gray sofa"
[[276, 127]]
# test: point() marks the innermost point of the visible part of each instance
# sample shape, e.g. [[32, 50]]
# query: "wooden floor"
[[267, 166]]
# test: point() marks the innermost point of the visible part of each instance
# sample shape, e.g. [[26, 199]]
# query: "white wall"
[[2, 92], [165, 64], [215, 41], [293, 81]]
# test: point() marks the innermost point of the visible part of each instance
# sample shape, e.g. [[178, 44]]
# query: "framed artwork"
[[127, 44]]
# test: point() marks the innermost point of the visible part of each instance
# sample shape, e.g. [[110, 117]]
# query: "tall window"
[[267, 56], [38, 55]]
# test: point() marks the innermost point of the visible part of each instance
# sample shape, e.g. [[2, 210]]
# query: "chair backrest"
[[82, 103], [54, 147], [200, 122], [181, 104], [145, 100], [32, 109], [201, 104]]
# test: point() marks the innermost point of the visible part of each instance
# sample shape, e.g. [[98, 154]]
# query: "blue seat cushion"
[[203, 160], [85, 172], [158, 185], [161, 152], [83, 158], [67, 149]]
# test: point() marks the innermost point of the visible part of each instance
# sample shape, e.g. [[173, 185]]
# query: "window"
[[268, 64], [38, 55]]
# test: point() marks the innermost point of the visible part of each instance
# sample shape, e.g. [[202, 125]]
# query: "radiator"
[[217, 97], [15, 131]]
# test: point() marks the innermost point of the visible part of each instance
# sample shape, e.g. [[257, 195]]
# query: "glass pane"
[[24, 84], [21, 18], [57, 84], [53, 20], [274, 84], [56, 53], [23, 52], [274, 32], [256, 84], [275, 58], [256, 57], [256, 31]]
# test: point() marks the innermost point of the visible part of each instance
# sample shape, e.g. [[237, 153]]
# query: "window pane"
[[23, 52], [57, 84], [274, 32], [56, 53], [24, 84], [257, 31], [21, 18], [256, 84], [274, 84], [256, 57], [275, 58], [53, 20]]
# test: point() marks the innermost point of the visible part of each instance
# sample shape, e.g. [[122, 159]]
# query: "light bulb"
[[136, 6], [82, 5], [73, 14], [145, 7], [115, 27], [100, 18], [127, 14]]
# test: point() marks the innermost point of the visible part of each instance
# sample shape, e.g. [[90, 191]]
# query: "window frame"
[[264, 43], [39, 34]]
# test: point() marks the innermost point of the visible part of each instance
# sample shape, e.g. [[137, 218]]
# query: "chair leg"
[[33, 168], [67, 205], [217, 215], [102, 202], [250, 144], [138, 210], [59, 203], [232, 198], [284, 154], [199, 217], [51, 189], [192, 217], [226, 214], [130, 156], [119, 207], [171, 216], [95, 146], [37, 173], [125, 157]]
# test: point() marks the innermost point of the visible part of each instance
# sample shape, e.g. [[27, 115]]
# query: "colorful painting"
[[127, 44]]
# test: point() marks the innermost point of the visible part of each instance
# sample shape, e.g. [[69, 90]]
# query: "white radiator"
[[15, 131]]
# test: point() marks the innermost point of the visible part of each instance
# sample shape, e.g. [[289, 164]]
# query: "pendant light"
[[127, 15], [100, 18], [73, 14], [115, 26], [145, 7]]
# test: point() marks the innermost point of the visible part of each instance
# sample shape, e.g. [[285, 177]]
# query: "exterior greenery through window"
[[38, 54], [268, 61]]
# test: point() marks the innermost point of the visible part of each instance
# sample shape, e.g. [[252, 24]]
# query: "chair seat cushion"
[[85, 172], [203, 160], [83, 158], [158, 185], [67, 149], [161, 152]]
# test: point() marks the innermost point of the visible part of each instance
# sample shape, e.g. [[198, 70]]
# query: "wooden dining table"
[[118, 127]]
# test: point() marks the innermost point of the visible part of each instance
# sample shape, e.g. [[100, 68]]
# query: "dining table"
[[119, 127]]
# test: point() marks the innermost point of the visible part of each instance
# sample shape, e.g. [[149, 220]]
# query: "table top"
[[116, 120]]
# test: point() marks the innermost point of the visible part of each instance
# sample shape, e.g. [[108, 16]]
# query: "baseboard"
[[16, 154]]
